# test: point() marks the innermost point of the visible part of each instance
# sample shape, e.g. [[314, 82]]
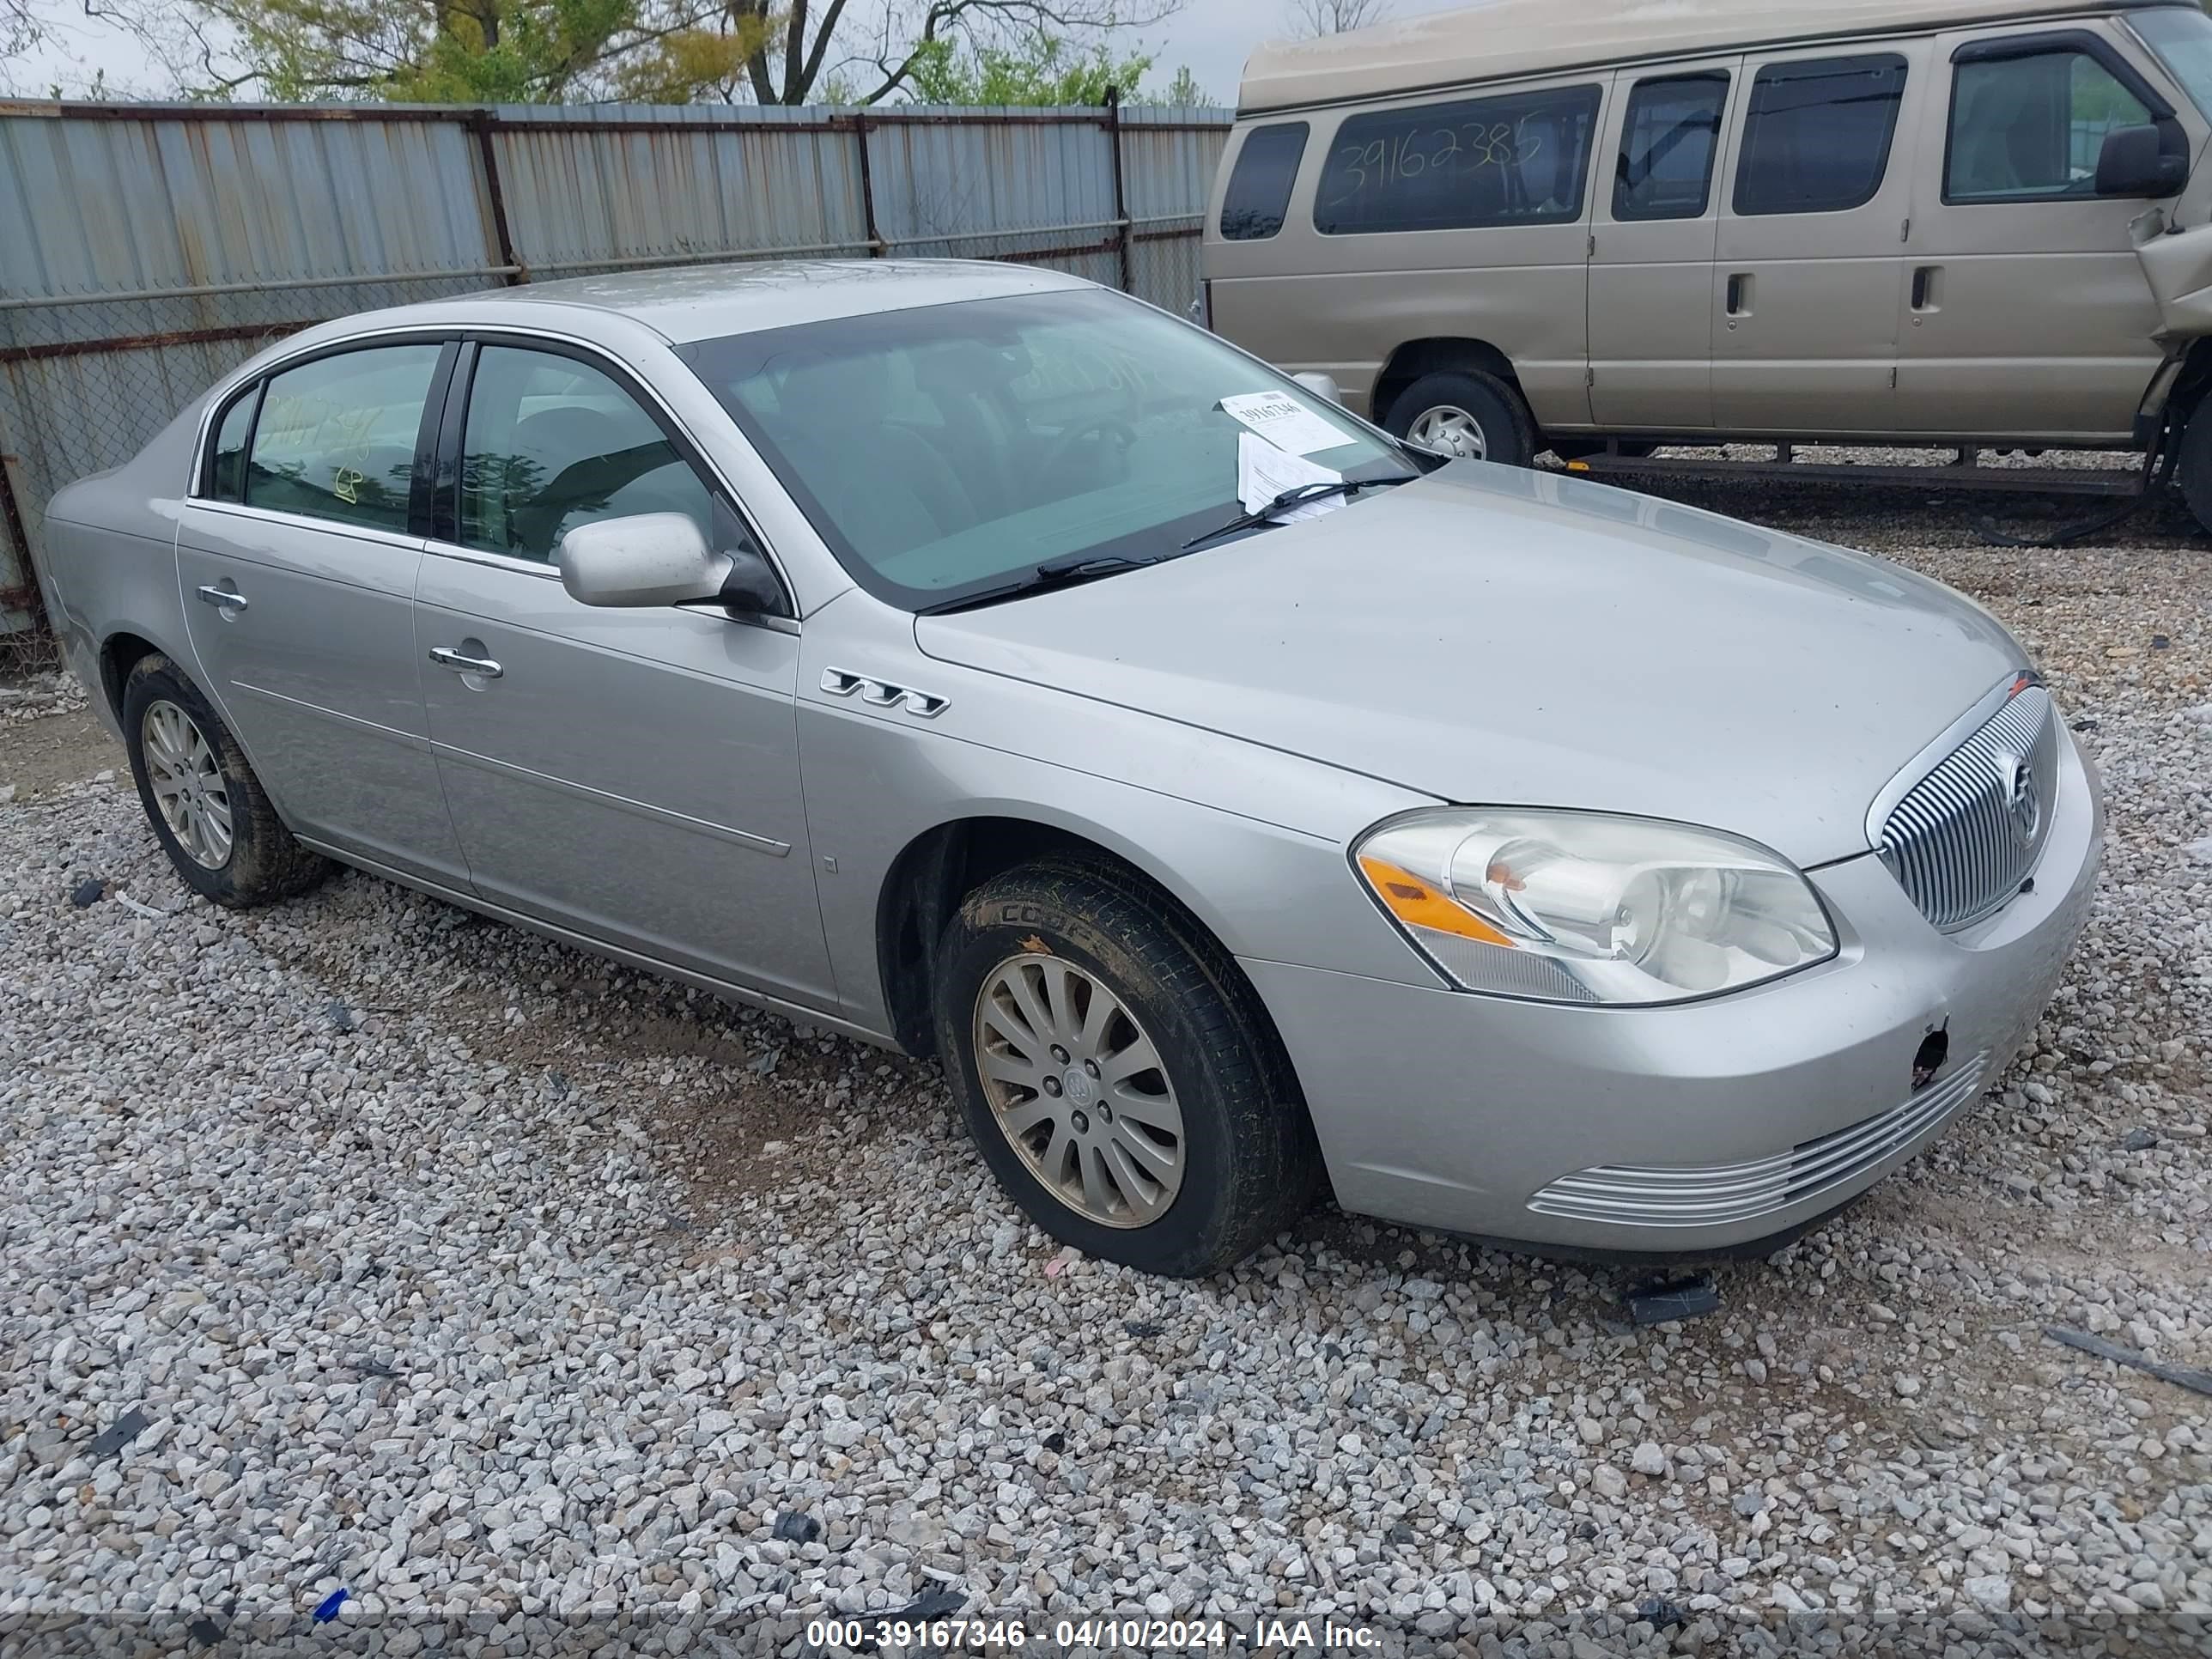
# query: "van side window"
[[2031, 128], [1817, 140], [1519, 160], [1259, 192], [1667, 146]]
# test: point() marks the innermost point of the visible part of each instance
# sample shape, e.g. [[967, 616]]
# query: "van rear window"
[[1817, 140], [1259, 192], [1516, 160]]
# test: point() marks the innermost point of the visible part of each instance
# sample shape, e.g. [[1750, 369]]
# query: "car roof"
[[683, 303], [1499, 39]]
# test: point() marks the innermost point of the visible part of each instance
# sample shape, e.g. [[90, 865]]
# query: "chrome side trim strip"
[[405, 739], [622, 803]]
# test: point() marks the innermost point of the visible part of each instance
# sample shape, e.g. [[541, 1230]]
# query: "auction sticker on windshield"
[[1284, 422]]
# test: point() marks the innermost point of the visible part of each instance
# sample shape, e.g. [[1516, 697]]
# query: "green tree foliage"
[[767, 51], [1043, 69]]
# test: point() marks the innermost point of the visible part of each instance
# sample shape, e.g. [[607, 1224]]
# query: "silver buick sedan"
[[987, 664]]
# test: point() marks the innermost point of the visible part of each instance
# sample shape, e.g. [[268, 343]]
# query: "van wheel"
[[2194, 470], [207, 809], [1117, 1071], [1465, 414]]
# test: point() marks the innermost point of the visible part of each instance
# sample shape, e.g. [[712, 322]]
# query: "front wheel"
[[2193, 467], [1465, 415], [1117, 1071]]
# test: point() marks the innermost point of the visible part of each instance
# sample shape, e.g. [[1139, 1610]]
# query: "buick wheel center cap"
[[1080, 1089]]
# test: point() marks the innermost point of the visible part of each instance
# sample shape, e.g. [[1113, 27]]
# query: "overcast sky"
[[1212, 36]]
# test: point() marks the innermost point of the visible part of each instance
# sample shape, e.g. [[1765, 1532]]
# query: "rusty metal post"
[[30, 596], [1113, 125], [480, 122], [867, 188]]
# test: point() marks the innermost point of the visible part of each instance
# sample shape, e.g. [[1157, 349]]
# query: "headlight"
[[1584, 907]]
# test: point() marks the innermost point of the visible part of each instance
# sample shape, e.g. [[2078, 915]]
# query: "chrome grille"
[[1965, 837], [1723, 1194]]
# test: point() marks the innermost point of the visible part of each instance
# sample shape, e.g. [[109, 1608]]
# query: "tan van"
[[1567, 224]]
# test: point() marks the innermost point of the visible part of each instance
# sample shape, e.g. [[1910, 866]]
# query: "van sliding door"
[[1809, 275], [1657, 223]]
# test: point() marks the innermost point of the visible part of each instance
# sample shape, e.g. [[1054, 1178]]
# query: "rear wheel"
[[206, 807], [1116, 1072], [1465, 414]]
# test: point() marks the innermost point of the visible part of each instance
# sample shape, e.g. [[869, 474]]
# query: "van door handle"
[[228, 600], [1739, 295], [446, 657], [1927, 284]]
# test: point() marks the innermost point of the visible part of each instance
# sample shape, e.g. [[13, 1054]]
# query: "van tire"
[[1453, 400], [2194, 470]]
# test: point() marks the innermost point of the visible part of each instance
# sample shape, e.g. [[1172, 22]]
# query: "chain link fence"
[[167, 244]]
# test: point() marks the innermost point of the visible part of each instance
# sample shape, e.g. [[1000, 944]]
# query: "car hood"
[[1495, 636]]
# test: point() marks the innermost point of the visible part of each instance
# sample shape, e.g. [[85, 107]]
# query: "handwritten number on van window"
[[1467, 148]]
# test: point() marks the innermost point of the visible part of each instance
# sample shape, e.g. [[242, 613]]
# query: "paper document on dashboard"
[[1264, 472]]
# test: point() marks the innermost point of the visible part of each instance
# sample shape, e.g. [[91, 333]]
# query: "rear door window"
[[1516, 159], [336, 437], [2031, 128], [1259, 192], [1667, 141], [1817, 139]]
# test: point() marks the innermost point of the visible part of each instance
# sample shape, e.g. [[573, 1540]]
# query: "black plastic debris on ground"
[[87, 892], [1142, 1328], [2182, 1376], [793, 1528], [1055, 1442], [936, 1603], [120, 1433], [1661, 1613], [1663, 1299], [2139, 1141]]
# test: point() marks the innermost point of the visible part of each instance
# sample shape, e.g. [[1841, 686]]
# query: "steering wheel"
[[1065, 447]]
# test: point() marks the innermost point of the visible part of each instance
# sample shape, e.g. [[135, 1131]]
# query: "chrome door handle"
[[223, 598], [446, 657]]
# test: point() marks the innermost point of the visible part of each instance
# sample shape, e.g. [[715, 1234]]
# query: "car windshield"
[[948, 450], [2181, 36]]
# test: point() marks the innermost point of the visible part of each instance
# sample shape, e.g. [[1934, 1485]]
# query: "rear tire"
[[2193, 470], [207, 810], [1160, 1125], [1467, 414]]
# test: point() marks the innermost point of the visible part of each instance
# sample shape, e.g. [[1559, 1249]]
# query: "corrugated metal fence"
[[145, 249]]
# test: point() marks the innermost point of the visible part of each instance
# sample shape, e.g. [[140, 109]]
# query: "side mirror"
[[2144, 162], [1321, 384], [652, 559]]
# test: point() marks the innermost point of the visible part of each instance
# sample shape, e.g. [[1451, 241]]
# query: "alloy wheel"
[[1450, 431], [1078, 1090], [187, 783]]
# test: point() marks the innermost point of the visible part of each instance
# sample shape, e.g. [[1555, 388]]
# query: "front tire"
[[207, 809], [2193, 470], [1116, 1071], [1468, 415]]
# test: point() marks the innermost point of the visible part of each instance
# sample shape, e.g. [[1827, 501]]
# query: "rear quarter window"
[[1520, 159], [1259, 192]]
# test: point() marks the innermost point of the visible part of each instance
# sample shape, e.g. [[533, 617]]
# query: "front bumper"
[[1692, 1129]]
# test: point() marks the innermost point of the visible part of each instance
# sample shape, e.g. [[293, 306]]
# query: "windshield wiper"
[[1264, 513], [1052, 573]]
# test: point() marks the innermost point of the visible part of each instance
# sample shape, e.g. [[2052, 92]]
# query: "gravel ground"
[[524, 1299]]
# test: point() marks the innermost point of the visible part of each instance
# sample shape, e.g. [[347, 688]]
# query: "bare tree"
[[1316, 18], [803, 49]]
